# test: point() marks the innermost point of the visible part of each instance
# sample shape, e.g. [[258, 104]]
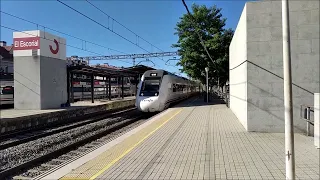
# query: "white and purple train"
[[159, 88]]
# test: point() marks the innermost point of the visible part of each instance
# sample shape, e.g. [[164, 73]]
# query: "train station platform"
[[13, 119], [194, 140]]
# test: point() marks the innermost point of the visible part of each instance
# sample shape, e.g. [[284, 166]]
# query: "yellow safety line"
[[127, 151]]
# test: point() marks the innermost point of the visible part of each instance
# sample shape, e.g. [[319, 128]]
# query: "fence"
[[222, 94], [305, 114]]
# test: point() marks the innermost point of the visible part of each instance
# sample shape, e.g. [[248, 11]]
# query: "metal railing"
[[305, 114], [222, 95]]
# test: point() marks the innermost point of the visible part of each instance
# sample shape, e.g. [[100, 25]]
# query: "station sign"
[[39, 43], [26, 43]]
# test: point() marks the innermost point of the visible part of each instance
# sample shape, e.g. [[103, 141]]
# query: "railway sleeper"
[[34, 171], [59, 160], [48, 165], [21, 177]]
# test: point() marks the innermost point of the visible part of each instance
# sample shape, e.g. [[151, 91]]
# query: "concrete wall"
[[317, 120], [238, 74], [53, 82], [41, 77], [40, 82], [265, 67], [27, 83]]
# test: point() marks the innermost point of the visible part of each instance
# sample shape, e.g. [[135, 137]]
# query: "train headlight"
[[156, 94]]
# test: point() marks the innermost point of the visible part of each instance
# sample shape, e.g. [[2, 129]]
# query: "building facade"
[[256, 64], [6, 58]]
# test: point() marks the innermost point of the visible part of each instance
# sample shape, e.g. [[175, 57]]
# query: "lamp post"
[[207, 70], [287, 80]]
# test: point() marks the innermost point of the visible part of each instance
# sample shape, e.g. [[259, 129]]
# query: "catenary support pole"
[[207, 87], [207, 82], [106, 86], [68, 86], [287, 82], [122, 87], [71, 88], [109, 87], [92, 88]]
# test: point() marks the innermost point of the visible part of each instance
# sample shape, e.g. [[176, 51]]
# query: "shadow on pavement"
[[200, 100]]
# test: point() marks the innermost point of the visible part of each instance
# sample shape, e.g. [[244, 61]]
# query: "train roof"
[[169, 73]]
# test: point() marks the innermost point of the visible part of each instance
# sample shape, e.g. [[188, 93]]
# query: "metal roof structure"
[[124, 56], [6, 76], [139, 68], [108, 72]]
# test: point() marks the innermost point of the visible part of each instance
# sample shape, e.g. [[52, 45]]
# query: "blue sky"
[[153, 20]]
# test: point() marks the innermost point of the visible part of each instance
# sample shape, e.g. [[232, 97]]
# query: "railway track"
[[19, 137], [15, 162]]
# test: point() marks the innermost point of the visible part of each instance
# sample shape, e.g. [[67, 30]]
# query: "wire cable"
[[122, 25], [104, 26], [58, 42], [45, 27], [99, 23], [193, 21]]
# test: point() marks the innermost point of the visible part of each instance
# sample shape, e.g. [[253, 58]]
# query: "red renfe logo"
[[54, 51], [27, 43]]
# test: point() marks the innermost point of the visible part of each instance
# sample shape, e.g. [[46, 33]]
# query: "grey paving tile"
[[208, 142]]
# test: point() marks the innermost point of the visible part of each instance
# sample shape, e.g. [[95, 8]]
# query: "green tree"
[[209, 23]]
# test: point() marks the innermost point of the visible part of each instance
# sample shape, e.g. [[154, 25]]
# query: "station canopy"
[[108, 71], [140, 69]]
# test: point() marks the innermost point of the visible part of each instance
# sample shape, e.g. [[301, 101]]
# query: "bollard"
[[206, 97], [308, 119]]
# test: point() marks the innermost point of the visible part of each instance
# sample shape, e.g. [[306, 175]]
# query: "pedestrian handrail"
[[221, 94], [306, 111]]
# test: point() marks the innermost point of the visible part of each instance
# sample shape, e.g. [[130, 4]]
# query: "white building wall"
[[40, 79], [317, 120], [238, 74], [53, 74], [27, 84], [265, 110]]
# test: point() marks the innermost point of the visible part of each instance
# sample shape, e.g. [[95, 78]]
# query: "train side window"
[[174, 88], [7, 90]]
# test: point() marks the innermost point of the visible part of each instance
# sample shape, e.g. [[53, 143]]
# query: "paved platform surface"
[[199, 141], [13, 113]]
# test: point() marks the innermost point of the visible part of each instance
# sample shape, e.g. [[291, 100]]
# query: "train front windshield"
[[150, 87]]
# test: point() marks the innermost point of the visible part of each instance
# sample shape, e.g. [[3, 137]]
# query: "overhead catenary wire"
[[107, 28], [99, 23], [123, 25], [48, 28], [84, 42], [200, 38], [13, 29], [45, 27]]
